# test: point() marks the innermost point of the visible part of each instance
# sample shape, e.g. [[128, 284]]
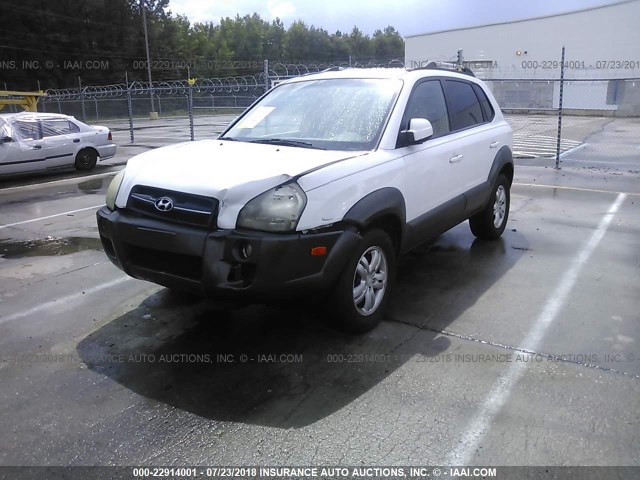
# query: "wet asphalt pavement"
[[524, 351]]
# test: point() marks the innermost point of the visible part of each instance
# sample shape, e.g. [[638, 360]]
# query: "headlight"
[[113, 189], [277, 210]]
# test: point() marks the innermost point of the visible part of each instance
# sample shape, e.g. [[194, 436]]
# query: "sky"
[[409, 17]]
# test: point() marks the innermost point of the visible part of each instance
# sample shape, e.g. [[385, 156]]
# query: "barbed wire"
[[216, 85]]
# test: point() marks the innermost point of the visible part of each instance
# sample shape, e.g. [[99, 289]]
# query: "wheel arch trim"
[[375, 206]]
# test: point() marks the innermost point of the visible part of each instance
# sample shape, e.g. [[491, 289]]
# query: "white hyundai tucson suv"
[[316, 189]]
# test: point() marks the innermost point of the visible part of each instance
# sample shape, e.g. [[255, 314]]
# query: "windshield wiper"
[[286, 143], [228, 139]]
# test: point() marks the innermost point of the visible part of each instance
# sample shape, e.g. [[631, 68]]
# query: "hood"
[[213, 167]]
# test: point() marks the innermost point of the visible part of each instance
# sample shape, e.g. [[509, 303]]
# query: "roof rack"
[[334, 68], [450, 66]]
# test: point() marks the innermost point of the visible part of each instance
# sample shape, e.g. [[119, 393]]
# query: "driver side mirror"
[[5, 140], [420, 129]]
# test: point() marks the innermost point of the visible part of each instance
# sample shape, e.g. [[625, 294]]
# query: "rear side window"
[[73, 127], [427, 101], [51, 128], [464, 106], [487, 108]]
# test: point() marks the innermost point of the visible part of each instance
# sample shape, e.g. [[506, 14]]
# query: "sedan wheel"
[[86, 159]]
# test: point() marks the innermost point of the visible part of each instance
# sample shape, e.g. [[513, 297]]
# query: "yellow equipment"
[[27, 100]]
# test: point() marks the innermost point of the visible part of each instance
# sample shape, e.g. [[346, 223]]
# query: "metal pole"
[[84, 113], [44, 109], [129, 107], [146, 46], [266, 75], [190, 103], [560, 111]]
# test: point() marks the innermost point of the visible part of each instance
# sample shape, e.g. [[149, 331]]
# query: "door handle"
[[455, 159], [494, 144], [36, 147], [76, 140]]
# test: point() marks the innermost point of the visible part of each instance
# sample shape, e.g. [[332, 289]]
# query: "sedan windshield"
[[335, 114]]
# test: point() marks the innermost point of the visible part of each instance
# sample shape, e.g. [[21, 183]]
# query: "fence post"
[[44, 109], [129, 106], [560, 111], [266, 75], [190, 102], [84, 113]]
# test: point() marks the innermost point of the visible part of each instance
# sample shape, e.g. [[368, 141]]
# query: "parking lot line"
[[573, 150], [501, 390], [50, 216], [579, 189], [64, 300]]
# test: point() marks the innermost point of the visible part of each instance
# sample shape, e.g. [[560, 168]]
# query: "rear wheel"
[[491, 222], [86, 159], [362, 291]]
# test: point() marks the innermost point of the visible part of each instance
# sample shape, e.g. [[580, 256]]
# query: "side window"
[[464, 105], [487, 108], [28, 129], [73, 127], [427, 101], [52, 128]]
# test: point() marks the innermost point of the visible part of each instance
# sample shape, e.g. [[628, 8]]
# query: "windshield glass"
[[335, 114]]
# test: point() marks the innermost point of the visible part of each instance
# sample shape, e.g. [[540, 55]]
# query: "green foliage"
[[51, 44]]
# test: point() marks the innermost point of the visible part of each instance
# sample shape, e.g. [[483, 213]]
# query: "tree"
[[387, 44], [297, 42], [65, 34]]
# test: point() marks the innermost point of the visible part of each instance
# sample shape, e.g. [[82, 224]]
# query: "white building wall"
[[591, 37]]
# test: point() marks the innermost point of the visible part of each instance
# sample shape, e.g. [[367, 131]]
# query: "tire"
[[491, 222], [86, 159], [365, 313]]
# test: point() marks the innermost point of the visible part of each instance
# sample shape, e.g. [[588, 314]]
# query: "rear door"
[[473, 132], [60, 141]]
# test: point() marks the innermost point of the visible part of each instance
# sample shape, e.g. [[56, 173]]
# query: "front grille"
[[188, 209]]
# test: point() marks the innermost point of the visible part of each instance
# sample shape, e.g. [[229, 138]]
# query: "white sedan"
[[32, 141]]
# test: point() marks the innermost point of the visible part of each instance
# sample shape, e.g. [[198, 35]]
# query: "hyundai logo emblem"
[[164, 204]]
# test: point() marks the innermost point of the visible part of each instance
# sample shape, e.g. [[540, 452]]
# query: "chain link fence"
[[600, 120], [600, 116]]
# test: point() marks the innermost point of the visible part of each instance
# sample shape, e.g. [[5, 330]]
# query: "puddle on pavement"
[[48, 247], [95, 185]]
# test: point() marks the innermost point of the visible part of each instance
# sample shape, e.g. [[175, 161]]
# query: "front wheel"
[[362, 291], [490, 223]]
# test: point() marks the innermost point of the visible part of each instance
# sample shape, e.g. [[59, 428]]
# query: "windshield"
[[335, 114]]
